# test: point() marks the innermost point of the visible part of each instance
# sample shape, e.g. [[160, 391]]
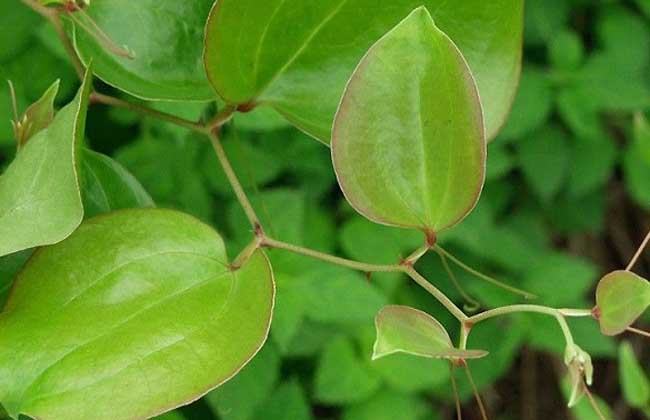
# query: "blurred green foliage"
[[578, 131]]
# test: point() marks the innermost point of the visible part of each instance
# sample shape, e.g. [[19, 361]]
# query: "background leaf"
[[302, 73]]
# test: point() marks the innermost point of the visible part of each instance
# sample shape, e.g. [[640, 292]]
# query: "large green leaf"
[[108, 186], [135, 313], [408, 144], [634, 381], [166, 37], [408, 330], [297, 55], [40, 200], [621, 297]]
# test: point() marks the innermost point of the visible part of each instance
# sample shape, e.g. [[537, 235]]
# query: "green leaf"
[[559, 280], [566, 51], [408, 330], [166, 167], [341, 376], [288, 401], [107, 186], [10, 265], [532, 106], [166, 37], [296, 56], [40, 200], [389, 405], [37, 117], [402, 155], [18, 24], [634, 381], [135, 313], [592, 162], [240, 398], [621, 297], [544, 160], [642, 137], [542, 23]]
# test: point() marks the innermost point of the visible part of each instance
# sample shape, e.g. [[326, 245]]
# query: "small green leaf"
[[566, 51], [621, 297], [532, 107], [40, 200], [166, 37], [108, 186], [544, 160], [390, 405], [634, 381], [37, 117], [296, 56], [403, 155], [288, 401], [408, 330], [342, 377], [135, 313]]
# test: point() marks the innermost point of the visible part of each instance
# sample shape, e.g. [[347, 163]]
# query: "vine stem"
[[638, 252], [355, 265], [234, 182], [557, 313], [54, 16], [100, 98], [441, 251]]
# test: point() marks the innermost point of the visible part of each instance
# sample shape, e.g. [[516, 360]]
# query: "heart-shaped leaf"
[[408, 330], [296, 55], [621, 297], [40, 201], [108, 186], [408, 144], [166, 38], [137, 312]]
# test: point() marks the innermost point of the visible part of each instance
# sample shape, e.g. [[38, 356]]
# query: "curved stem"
[[527, 308], [148, 112], [638, 252], [417, 254], [482, 276], [454, 388], [479, 401]]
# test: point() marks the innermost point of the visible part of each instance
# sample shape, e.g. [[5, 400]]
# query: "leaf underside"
[[621, 297]]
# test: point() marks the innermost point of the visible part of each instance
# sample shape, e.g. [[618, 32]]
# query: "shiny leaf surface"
[[40, 201], [135, 313], [408, 144], [408, 330], [621, 297], [166, 38], [296, 56]]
